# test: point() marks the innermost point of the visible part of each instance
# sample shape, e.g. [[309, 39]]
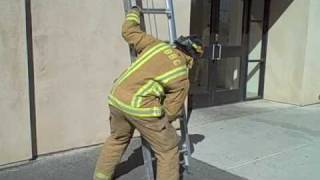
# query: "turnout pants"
[[160, 134]]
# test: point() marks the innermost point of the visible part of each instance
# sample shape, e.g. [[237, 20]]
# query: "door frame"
[[230, 96], [262, 61], [206, 98]]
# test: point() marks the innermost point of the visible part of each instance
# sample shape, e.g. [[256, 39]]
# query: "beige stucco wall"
[[78, 51], [15, 138], [287, 54], [311, 79]]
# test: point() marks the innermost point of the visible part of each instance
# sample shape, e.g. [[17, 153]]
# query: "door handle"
[[216, 52]]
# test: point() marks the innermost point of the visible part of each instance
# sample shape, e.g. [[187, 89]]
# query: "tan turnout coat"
[[156, 83]]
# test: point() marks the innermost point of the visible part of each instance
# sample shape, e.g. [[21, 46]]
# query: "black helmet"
[[191, 45]]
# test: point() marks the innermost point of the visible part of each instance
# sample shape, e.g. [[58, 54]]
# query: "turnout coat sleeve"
[[132, 33], [176, 93]]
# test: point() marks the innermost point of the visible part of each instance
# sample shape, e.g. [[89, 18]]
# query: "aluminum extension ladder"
[[185, 140]]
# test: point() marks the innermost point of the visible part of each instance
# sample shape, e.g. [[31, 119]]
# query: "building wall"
[[311, 82], [286, 51], [78, 52], [15, 141], [293, 50]]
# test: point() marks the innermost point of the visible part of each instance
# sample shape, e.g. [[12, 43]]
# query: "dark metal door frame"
[[263, 54], [32, 105], [235, 95], [205, 15]]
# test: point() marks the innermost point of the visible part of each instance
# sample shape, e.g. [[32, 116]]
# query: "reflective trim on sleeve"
[[133, 19], [133, 15], [150, 88]]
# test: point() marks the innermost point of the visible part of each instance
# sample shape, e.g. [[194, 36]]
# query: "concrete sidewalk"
[[260, 140], [256, 140]]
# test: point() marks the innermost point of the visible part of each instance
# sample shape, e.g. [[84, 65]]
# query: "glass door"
[[219, 77], [228, 29]]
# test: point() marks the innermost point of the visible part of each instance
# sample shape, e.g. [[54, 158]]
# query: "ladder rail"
[[171, 22]]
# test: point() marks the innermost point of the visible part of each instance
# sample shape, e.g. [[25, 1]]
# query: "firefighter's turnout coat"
[[156, 83]]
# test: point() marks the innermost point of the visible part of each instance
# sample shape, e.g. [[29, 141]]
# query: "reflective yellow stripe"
[[138, 112], [101, 176], [178, 74], [133, 19], [158, 89], [173, 74], [146, 92], [198, 48], [135, 99], [139, 62], [153, 86], [133, 15], [143, 59], [148, 88]]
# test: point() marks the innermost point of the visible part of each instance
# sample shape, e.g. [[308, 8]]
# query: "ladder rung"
[[156, 11], [183, 151]]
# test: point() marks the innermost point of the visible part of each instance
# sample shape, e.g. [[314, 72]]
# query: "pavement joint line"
[[269, 156]]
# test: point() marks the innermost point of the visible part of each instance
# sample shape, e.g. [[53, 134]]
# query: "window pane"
[[228, 73], [255, 42], [230, 27], [253, 79], [257, 10], [198, 76]]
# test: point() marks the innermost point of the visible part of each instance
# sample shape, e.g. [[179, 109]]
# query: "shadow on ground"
[[132, 165], [79, 165]]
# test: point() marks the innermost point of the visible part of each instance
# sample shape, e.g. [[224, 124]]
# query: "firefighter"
[[147, 96]]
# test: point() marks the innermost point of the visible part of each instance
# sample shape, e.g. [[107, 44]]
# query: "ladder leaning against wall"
[[148, 9]]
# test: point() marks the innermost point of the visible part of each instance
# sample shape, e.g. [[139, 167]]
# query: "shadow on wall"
[[275, 9]]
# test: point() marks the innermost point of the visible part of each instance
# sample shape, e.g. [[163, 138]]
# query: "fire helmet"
[[191, 45]]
